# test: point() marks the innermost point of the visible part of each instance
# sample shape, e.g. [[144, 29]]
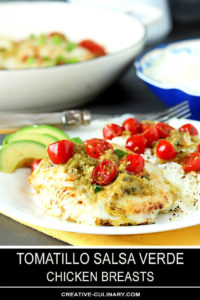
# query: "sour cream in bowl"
[[172, 72]]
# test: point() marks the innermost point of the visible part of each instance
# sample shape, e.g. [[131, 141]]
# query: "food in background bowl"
[[46, 50], [67, 86]]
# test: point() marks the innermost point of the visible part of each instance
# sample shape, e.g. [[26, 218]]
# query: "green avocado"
[[38, 129], [45, 139], [20, 154]]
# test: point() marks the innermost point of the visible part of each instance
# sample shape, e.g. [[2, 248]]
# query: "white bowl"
[[59, 87]]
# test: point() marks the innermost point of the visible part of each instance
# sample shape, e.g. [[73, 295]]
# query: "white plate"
[[18, 203]]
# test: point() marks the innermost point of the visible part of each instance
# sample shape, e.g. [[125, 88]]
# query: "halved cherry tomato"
[[151, 134], [135, 163], [105, 172], [136, 143], [111, 130], [198, 148], [145, 126], [60, 152], [165, 150], [35, 163], [191, 162], [164, 129], [97, 147], [190, 128], [131, 125], [92, 46]]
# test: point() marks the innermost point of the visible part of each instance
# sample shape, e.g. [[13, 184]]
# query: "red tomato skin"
[[190, 128], [198, 148], [151, 134], [136, 143], [111, 130], [135, 163], [165, 150], [164, 129], [34, 164], [145, 126], [94, 47], [105, 172], [60, 152], [132, 125], [191, 162], [97, 147]]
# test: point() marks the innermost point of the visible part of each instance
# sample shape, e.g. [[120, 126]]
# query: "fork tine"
[[169, 111], [186, 116], [173, 110], [176, 114], [177, 106], [179, 115]]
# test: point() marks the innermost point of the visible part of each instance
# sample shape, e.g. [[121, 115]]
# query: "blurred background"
[[180, 20]]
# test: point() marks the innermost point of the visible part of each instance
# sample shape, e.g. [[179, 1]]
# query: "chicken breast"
[[66, 191]]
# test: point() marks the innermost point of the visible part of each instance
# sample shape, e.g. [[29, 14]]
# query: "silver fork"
[[182, 110], [10, 122]]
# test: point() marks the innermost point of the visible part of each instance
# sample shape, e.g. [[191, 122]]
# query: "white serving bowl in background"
[[66, 86]]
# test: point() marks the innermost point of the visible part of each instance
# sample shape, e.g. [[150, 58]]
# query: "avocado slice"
[[39, 129], [45, 139], [20, 154]]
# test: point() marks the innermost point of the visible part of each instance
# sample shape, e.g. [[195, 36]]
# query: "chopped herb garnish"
[[46, 58], [120, 153], [30, 60], [71, 60], [97, 188], [42, 39], [70, 46], [57, 40], [52, 64], [147, 177], [59, 60], [77, 140], [31, 36]]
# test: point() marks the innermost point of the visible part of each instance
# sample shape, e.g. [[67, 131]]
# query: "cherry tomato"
[[190, 128], [92, 46], [151, 134], [97, 147], [105, 172], [164, 129], [60, 152], [35, 163], [191, 162], [165, 150], [136, 143], [145, 126], [198, 148], [131, 125], [135, 163], [111, 130]]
